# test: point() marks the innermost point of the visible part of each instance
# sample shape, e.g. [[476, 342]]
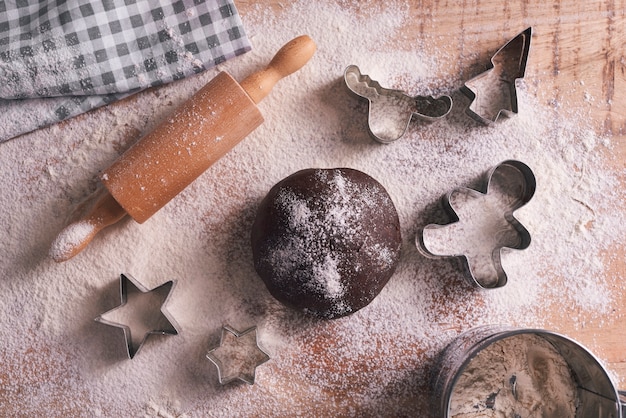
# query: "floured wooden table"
[[57, 361]]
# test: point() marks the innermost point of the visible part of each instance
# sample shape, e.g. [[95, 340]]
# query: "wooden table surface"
[[578, 48], [577, 51]]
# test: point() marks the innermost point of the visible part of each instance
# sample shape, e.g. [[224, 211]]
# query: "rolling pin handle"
[[104, 211], [289, 59], [107, 209]]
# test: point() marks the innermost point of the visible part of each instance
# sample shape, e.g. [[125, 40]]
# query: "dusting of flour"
[[68, 238], [376, 362], [519, 376]]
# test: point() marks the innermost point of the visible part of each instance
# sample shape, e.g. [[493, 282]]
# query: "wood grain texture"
[[577, 61], [576, 64]]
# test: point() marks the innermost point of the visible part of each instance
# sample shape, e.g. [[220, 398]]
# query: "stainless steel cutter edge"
[[453, 217], [124, 280]]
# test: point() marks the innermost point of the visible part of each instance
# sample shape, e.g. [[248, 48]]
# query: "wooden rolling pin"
[[166, 160]]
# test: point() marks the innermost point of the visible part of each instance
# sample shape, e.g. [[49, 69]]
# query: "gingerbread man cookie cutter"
[[483, 224]]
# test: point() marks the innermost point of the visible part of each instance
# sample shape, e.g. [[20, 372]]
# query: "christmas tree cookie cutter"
[[391, 111], [493, 93], [483, 225]]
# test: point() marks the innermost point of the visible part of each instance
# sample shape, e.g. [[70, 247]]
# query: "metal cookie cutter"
[[391, 111], [483, 224], [136, 312], [238, 355], [493, 93]]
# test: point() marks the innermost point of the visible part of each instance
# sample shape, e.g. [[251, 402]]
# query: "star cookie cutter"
[[483, 224], [390, 111], [238, 355], [493, 92], [141, 299]]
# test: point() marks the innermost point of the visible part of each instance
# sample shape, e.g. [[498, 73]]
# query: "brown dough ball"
[[326, 241]]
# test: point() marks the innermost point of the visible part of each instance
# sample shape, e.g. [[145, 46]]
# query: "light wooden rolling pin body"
[[166, 160]]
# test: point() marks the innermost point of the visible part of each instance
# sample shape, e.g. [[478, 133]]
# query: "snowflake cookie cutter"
[[142, 299], [390, 111], [493, 93], [238, 355], [483, 225]]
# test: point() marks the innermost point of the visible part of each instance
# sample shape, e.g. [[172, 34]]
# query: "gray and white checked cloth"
[[60, 58]]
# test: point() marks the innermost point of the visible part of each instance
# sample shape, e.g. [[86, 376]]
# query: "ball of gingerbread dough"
[[326, 241]]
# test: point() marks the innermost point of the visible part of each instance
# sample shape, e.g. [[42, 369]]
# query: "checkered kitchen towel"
[[60, 58]]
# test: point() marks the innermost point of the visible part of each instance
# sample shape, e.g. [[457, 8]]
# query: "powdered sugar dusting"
[[328, 278], [376, 362], [71, 237], [313, 250]]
